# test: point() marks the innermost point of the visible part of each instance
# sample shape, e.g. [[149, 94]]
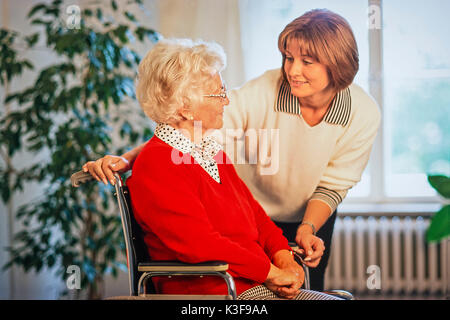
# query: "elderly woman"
[[326, 126], [186, 194]]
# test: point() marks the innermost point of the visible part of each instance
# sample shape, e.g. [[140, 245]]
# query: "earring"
[[191, 118]]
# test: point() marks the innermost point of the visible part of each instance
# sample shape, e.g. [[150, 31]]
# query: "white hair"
[[172, 74]]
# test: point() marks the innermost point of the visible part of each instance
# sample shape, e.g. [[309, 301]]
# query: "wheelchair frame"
[[140, 269]]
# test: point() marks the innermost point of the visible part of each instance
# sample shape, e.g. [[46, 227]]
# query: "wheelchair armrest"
[[169, 268], [176, 266], [340, 294]]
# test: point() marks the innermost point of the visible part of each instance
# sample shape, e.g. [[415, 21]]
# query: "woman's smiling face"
[[306, 76]]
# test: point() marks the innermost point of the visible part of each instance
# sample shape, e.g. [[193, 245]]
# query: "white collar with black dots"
[[202, 153]]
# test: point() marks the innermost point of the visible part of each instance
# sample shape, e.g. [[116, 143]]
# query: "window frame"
[[377, 168]]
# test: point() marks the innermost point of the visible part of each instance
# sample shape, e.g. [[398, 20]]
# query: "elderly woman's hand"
[[103, 169], [310, 246], [285, 283], [284, 260]]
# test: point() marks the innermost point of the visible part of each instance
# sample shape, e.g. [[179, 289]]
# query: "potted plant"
[[72, 112], [440, 224], [439, 228]]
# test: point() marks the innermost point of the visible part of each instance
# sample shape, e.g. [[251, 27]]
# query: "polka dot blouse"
[[202, 153]]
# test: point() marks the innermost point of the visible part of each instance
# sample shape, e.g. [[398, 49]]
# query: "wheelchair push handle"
[[80, 177]]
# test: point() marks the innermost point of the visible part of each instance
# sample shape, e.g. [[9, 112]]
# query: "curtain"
[[209, 20]]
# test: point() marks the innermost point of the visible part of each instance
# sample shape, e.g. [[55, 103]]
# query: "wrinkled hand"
[[103, 169], [285, 283], [311, 246]]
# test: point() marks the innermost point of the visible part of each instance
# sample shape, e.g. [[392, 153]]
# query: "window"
[[416, 94], [415, 79]]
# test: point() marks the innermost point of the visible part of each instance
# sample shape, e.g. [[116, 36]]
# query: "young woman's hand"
[[309, 245]]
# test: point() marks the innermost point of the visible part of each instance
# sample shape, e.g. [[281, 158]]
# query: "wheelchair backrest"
[[133, 235]]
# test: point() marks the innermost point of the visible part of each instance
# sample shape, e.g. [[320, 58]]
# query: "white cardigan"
[[283, 160]]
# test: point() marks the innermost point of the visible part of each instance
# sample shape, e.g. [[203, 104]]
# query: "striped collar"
[[338, 113]]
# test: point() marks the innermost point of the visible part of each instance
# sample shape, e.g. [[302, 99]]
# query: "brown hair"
[[328, 38]]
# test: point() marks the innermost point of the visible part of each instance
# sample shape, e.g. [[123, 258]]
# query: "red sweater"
[[187, 216]]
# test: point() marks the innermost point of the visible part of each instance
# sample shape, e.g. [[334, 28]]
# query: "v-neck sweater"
[[283, 160]]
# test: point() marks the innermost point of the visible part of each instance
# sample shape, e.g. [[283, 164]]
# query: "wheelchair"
[[141, 269]]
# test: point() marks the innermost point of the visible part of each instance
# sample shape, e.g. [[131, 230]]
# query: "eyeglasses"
[[222, 95]]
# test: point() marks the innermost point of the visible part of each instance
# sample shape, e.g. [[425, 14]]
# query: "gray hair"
[[172, 74]]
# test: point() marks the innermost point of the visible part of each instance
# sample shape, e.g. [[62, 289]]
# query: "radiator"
[[387, 256]]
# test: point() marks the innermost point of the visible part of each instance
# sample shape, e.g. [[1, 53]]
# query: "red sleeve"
[[166, 201], [270, 236]]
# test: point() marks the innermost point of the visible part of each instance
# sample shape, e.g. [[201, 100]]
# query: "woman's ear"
[[186, 113]]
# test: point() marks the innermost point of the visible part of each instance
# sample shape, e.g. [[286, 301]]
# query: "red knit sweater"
[[187, 216]]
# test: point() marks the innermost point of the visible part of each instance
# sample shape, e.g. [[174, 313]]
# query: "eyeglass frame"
[[222, 95]]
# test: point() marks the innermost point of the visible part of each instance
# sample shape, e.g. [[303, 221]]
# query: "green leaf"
[[114, 5], [441, 184], [87, 12], [57, 3], [40, 21], [51, 260], [99, 14], [440, 225], [142, 32], [121, 33], [32, 39], [130, 16], [35, 9], [54, 11]]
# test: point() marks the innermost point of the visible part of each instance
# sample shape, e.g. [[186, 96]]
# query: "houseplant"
[[79, 108], [440, 224], [439, 228]]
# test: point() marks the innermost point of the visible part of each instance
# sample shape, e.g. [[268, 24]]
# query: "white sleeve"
[[351, 154]]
